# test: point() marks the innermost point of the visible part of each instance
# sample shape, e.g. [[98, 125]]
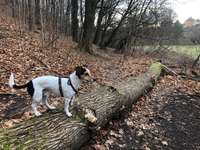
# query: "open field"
[[189, 50]]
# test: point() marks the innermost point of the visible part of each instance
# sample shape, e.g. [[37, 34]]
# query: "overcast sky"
[[186, 9]]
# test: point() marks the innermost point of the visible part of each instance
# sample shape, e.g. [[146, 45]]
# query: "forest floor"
[[165, 118]]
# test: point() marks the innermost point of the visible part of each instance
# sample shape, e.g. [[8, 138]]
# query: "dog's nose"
[[94, 79]]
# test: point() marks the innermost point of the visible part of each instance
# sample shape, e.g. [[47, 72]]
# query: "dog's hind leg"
[[67, 102], [45, 101], [37, 97], [34, 108]]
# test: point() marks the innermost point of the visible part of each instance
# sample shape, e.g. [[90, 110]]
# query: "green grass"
[[190, 50]]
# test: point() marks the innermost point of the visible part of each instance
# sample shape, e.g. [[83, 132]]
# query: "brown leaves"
[[10, 123], [99, 147], [23, 55]]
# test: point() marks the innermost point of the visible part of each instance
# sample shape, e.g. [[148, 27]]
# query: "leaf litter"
[[147, 126]]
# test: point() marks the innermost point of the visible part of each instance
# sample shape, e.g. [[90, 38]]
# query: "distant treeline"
[[121, 24]]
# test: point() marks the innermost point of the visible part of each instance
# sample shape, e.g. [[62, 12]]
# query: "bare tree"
[[119, 23], [37, 14], [81, 13], [67, 18], [125, 13], [88, 26], [75, 21], [30, 16], [99, 21], [13, 5]]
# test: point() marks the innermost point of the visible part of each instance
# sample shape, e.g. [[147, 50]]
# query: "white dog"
[[65, 87]]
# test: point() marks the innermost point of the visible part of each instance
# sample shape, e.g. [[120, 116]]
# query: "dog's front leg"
[[72, 100], [67, 102]]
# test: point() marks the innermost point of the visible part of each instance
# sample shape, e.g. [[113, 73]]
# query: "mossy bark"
[[56, 131]]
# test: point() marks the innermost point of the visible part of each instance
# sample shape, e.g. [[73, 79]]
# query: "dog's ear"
[[80, 71]]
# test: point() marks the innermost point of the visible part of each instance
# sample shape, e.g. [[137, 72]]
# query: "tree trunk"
[[74, 20], [13, 8], [114, 32], [68, 24], [61, 3], [23, 13], [99, 21], [86, 41], [93, 110], [195, 61], [81, 20], [30, 19], [124, 16], [37, 14]]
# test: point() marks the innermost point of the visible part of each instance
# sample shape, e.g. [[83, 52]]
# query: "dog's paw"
[[69, 114], [52, 107], [38, 114]]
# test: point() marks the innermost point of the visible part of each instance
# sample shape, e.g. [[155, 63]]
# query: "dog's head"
[[83, 72]]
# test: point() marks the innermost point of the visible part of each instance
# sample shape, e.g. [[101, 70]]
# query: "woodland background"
[[117, 39]]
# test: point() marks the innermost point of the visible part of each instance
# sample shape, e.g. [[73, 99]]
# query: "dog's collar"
[[70, 83]]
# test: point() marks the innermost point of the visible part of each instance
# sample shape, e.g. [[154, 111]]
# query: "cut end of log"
[[90, 116]]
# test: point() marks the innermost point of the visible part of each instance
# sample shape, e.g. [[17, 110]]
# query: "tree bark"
[[99, 22], [195, 61], [37, 14], [88, 26], [30, 19], [81, 19], [124, 16], [67, 14], [93, 110], [13, 8], [74, 20]]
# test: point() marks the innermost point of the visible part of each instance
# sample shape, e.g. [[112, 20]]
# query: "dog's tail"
[[13, 85]]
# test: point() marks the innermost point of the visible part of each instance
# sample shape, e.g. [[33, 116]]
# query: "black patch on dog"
[[20, 86], [30, 88], [80, 71]]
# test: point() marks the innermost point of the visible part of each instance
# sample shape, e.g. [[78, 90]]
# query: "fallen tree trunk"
[[93, 110]]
